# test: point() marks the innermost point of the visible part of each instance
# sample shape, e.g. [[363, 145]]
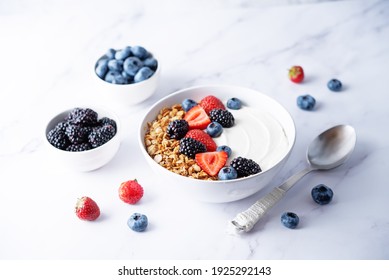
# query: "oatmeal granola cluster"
[[165, 151]]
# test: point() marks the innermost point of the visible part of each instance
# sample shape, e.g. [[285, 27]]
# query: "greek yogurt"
[[256, 135]]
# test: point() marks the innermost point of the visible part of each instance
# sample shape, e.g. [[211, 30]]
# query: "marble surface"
[[47, 53]]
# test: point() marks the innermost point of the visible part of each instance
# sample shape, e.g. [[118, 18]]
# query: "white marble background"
[[47, 51]]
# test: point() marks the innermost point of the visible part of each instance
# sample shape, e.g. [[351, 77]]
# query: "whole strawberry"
[[130, 191], [296, 74], [87, 209], [211, 102]]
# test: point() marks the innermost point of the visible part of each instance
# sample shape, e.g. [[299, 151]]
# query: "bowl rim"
[[95, 108], [142, 132]]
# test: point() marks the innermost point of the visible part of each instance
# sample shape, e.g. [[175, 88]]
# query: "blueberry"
[[334, 85], [123, 54], [151, 62], [110, 76], [188, 104], [140, 52], [225, 149], [115, 65], [290, 220], [137, 222], [234, 103], [306, 102], [227, 173], [322, 194], [214, 129], [129, 78], [110, 54], [132, 65], [102, 68], [143, 74]]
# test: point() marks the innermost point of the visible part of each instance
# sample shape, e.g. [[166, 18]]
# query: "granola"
[[165, 151]]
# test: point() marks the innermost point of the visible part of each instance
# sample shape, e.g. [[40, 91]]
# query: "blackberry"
[[58, 138], [61, 126], [106, 120], [245, 167], [79, 147], [190, 147], [101, 135], [84, 117], [78, 134], [224, 117], [177, 129]]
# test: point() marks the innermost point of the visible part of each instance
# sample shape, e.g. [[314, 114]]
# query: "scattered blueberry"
[[123, 54], [306, 102], [151, 62], [227, 173], [214, 129], [290, 220], [225, 149], [188, 104], [140, 52], [137, 222], [334, 85], [322, 194], [132, 65], [143, 74], [234, 103]]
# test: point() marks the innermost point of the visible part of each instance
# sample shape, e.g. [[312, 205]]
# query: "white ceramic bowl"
[[91, 159], [128, 94], [272, 126]]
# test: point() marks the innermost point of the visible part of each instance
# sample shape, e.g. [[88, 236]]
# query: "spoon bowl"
[[328, 150]]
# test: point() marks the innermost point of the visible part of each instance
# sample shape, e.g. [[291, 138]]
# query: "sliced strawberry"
[[197, 118], [202, 137], [211, 102], [211, 162]]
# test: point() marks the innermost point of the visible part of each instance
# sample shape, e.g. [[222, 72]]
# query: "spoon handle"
[[246, 220]]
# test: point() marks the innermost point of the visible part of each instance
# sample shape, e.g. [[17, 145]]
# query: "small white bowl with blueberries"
[[84, 138], [129, 75]]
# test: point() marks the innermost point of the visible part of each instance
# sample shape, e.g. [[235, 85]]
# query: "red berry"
[[211, 102], [87, 209], [197, 118], [202, 137], [211, 162], [296, 74], [130, 191]]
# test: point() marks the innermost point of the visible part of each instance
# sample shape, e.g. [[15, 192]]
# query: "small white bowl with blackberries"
[[128, 75], [84, 138]]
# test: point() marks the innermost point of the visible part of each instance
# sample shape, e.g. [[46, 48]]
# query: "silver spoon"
[[328, 150]]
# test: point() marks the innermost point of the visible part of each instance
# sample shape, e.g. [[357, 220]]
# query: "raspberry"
[[130, 191]]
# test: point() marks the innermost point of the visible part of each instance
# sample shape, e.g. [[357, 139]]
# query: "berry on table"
[[290, 220], [245, 167], [190, 147], [227, 173], [202, 137], [197, 118], [138, 222], [214, 129], [130, 191], [211, 102], [177, 129], [188, 104], [211, 162], [234, 103], [322, 194], [306, 102], [296, 74], [224, 148], [334, 85], [87, 209], [224, 117]]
